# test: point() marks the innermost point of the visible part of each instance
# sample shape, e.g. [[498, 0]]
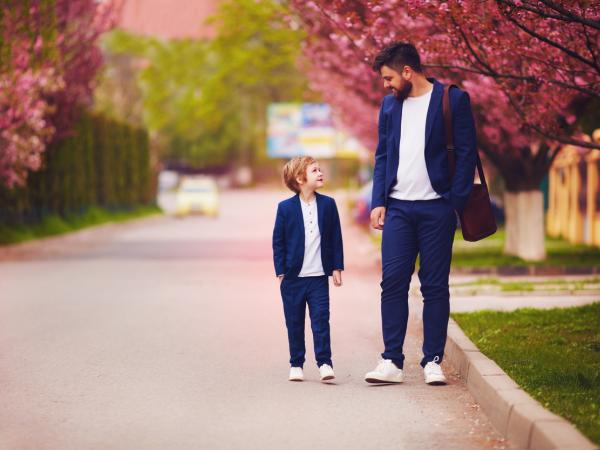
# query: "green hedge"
[[102, 163]]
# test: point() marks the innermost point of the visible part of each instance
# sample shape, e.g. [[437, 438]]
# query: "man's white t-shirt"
[[312, 265], [412, 178]]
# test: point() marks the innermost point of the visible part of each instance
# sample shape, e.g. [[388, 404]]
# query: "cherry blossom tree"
[[48, 60], [531, 68]]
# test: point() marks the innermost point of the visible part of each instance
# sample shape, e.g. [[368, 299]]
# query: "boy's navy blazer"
[[288, 236], [436, 155]]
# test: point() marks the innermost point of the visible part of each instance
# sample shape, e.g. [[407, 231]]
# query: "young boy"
[[307, 249]]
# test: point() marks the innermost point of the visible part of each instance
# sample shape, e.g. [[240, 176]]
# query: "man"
[[415, 202]]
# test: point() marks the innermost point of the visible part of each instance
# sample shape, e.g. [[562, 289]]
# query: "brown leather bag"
[[477, 218]]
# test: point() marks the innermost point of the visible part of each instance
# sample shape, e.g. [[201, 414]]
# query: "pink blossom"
[[522, 88], [38, 92]]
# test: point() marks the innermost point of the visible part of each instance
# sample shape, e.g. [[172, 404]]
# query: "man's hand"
[[377, 217], [337, 277], [280, 278]]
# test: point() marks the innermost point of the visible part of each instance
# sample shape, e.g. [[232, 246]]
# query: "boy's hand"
[[337, 277], [377, 217]]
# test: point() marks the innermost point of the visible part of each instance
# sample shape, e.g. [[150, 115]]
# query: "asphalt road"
[[168, 333]]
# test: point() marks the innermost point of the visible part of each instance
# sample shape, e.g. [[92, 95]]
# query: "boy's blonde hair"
[[296, 168]]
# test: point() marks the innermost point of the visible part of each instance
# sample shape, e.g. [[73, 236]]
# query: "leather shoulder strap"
[[448, 129], [450, 137], [448, 117]]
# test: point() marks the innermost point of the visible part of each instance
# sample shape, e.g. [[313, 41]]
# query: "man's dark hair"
[[398, 55]]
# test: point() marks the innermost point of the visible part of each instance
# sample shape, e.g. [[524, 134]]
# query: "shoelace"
[[383, 363], [434, 367]]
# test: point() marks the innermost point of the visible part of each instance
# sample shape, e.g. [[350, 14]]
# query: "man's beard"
[[403, 93]]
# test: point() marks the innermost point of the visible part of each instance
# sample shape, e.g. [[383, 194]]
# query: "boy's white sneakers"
[[296, 374], [385, 372], [326, 372], [433, 372]]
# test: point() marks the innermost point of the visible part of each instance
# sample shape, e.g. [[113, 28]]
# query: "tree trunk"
[[525, 231], [523, 171]]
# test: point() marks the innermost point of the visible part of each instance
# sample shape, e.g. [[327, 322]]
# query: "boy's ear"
[[300, 181]]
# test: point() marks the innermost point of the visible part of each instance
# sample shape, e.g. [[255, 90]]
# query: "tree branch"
[[529, 79], [571, 53], [470, 48], [566, 16], [564, 140], [570, 16], [344, 31], [590, 46]]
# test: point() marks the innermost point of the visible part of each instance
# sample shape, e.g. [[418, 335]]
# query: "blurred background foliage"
[[204, 101]]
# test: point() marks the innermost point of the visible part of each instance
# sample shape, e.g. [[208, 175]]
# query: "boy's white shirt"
[[312, 266]]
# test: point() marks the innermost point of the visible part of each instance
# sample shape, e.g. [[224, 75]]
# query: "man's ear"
[[407, 73]]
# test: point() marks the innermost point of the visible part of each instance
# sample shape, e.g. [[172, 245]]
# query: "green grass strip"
[[553, 354], [55, 225], [552, 284], [489, 252]]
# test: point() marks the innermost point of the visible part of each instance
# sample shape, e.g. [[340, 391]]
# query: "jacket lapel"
[[320, 213], [298, 211], [396, 127], [394, 152], [434, 106]]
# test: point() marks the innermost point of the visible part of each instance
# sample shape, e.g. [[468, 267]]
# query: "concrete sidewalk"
[[462, 301], [512, 302]]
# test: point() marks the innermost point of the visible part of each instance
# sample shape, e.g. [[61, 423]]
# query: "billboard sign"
[[296, 129]]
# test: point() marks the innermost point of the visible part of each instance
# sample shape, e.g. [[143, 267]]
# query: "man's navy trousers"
[[426, 228]]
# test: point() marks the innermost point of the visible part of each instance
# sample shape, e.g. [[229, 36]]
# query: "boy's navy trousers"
[[424, 227], [296, 294]]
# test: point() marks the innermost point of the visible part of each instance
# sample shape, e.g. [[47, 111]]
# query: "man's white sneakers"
[[385, 372], [326, 372], [296, 374], [433, 372]]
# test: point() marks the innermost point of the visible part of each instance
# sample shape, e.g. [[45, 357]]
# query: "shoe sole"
[[296, 379], [379, 381], [436, 382], [328, 377]]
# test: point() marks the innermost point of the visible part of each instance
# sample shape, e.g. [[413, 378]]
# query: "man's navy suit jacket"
[[288, 236], [436, 155]]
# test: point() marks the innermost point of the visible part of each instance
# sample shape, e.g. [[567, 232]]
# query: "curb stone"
[[527, 270], [514, 413]]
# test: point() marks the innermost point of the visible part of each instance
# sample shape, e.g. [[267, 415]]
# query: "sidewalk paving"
[[511, 302]]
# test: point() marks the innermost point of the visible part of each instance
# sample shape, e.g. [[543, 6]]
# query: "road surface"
[[168, 333]]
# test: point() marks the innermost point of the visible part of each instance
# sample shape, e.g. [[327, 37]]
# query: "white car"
[[197, 194]]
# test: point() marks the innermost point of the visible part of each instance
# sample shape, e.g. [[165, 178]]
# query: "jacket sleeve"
[[378, 197], [465, 149], [338, 245], [279, 242]]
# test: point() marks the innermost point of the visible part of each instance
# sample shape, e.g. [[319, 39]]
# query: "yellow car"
[[198, 194]]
